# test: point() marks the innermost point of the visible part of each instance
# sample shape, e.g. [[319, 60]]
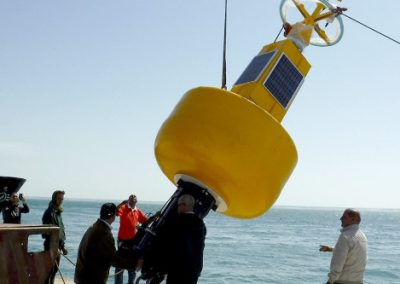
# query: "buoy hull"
[[229, 144]]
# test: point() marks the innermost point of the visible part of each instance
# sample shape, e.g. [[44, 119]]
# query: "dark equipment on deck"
[[147, 237]]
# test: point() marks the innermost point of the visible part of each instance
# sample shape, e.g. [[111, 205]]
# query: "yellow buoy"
[[232, 142], [229, 144]]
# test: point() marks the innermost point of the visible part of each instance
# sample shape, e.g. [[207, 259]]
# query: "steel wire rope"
[[339, 11], [111, 275], [58, 268], [372, 29], [223, 85], [279, 33], [68, 259]]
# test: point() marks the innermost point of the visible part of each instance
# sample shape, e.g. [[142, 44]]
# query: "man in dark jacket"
[[12, 211], [52, 216], [97, 250], [184, 244]]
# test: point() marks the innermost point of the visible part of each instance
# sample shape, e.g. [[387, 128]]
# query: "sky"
[[86, 85]]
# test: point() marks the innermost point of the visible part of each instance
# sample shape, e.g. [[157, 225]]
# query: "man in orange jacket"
[[129, 217]]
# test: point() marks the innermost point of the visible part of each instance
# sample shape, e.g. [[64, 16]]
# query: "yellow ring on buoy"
[[229, 144]]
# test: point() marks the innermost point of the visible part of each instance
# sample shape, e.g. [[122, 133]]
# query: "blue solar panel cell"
[[255, 68], [284, 81]]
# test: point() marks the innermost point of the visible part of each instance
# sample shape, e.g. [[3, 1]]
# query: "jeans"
[[54, 270], [119, 272], [119, 276]]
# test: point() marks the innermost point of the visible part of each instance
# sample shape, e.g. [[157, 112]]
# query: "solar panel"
[[284, 81], [255, 68]]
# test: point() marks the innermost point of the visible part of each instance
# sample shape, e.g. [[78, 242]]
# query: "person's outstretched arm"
[[325, 248]]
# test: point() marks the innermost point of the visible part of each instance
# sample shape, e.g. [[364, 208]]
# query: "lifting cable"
[[339, 11], [223, 86], [70, 261], [368, 27]]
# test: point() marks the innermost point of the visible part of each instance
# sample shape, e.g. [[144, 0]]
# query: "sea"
[[281, 246]]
